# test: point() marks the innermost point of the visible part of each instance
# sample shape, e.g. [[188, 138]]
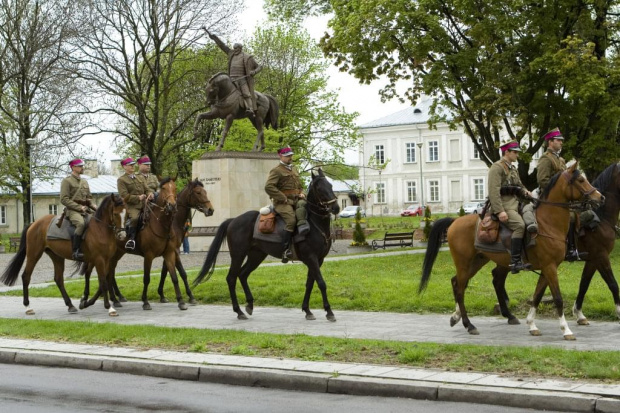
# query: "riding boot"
[[516, 264], [76, 241], [571, 250], [131, 236], [287, 254]]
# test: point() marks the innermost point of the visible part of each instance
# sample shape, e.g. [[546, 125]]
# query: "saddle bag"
[[488, 230], [267, 220]]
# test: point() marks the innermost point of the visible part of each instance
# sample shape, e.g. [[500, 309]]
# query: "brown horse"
[[99, 246], [598, 244], [192, 196], [553, 221], [156, 239], [227, 103]]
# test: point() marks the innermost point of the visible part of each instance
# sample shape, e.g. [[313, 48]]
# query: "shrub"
[[428, 221], [359, 237]]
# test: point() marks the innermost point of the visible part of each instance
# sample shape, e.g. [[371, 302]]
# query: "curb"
[[321, 382]]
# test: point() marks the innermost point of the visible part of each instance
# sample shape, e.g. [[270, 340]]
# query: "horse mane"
[[196, 182], [554, 180], [102, 207], [164, 181], [215, 75], [606, 177]]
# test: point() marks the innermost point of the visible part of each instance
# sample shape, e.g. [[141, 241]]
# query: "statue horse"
[[553, 221], [598, 244], [227, 103], [247, 253], [156, 239], [99, 246]]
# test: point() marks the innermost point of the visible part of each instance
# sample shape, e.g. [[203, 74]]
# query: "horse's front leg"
[[170, 260], [162, 281], [541, 286], [499, 284], [227, 125], [199, 118], [554, 286], [84, 300], [105, 275], [586, 277], [314, 274], [179, 266], [148, 261], [260, 136]]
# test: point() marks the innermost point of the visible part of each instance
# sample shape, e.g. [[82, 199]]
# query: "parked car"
[[473, 207], [350, 211], [414, 210]]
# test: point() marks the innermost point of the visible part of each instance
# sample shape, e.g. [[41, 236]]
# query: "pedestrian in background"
[[186, 228]]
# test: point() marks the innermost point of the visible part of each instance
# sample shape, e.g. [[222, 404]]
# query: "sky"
[[353, 96]]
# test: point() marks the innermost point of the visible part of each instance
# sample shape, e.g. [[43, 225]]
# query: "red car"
[[413, 211]]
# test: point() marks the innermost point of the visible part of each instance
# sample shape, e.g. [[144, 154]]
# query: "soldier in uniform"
[[504, 173], [76, 197], [144, 167], [284, 188], [241, 68], [551, 163], [134, 191]]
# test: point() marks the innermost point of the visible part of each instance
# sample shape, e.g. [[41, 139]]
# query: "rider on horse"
[[501, 174], [134, 190], [284, 188], [241, 68], [144, 167], [76, 197]]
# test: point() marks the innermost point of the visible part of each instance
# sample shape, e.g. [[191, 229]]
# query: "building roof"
[[103, 184], [343, 186], [411, 115]]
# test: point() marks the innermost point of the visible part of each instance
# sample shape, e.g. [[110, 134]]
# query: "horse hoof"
[[310, 316], [193, 301], [182, 306], [122, 299], [242, 317], [249, 310], [514, 321], [570, 337], [163, 300], [583, 322], [146, 307], [72, 310], [453, 322], [117, 304], [82, 305], [30, 311], [113, 313], [535, 333], [474, 332], [331, 317]]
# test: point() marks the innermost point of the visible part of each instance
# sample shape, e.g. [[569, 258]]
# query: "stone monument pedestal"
[[235, 183]]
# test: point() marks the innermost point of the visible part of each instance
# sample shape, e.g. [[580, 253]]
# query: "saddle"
[[60, 228], [277, 235]]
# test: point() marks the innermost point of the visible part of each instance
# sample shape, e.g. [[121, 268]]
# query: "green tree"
[[501, 68]]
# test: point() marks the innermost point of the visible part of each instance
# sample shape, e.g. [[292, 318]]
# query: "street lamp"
[[30, 143], [421, 176]]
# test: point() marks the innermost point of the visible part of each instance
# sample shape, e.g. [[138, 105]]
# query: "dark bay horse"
[[598, 243], [156, 239], [192, 196], [99, 246], [227, 103], [553, 221], [246, 253]]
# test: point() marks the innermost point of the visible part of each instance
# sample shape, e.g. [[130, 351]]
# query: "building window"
[[53, 209], [381, 193], [410, 152], [479, 189], [379, 154], [476, 152], [412, 191], [433, 189], [2, 215], [433, 151]]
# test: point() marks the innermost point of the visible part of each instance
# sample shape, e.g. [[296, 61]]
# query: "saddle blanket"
[[276, 235], [66, 230]]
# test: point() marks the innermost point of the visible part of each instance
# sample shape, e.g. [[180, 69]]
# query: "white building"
[[436, 167]]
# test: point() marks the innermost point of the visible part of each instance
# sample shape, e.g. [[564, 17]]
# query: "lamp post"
[[383, 189], [30, 142], [421, 176]]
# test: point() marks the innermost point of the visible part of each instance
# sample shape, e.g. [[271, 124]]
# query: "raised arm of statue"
[[220, 43]]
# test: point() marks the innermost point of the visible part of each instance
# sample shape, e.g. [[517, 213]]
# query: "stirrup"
[[130, 245], [287, 255], [574, 255], [520, 266], [532, 228], [303, 229], [77, 255]]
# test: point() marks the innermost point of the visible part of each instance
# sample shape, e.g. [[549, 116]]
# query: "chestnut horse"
[[156, 239], [553, 221], [99, 246]]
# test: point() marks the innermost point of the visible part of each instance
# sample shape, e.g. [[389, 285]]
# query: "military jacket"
[[130, 187], [501, 174], [283, 184], [152, 182], [548, 165], [74, 189]]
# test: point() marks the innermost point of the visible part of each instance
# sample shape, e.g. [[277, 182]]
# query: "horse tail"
[[435, 239], [209, 265], [273, 113], [10, 274]]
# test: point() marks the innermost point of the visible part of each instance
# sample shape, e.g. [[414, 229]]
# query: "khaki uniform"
[[152, 182], [74, 189], [283, 187], [548, 165], [501, 174], [130, 187]]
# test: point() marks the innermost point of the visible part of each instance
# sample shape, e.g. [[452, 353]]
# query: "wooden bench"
[[395, 239], [14, 243]]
